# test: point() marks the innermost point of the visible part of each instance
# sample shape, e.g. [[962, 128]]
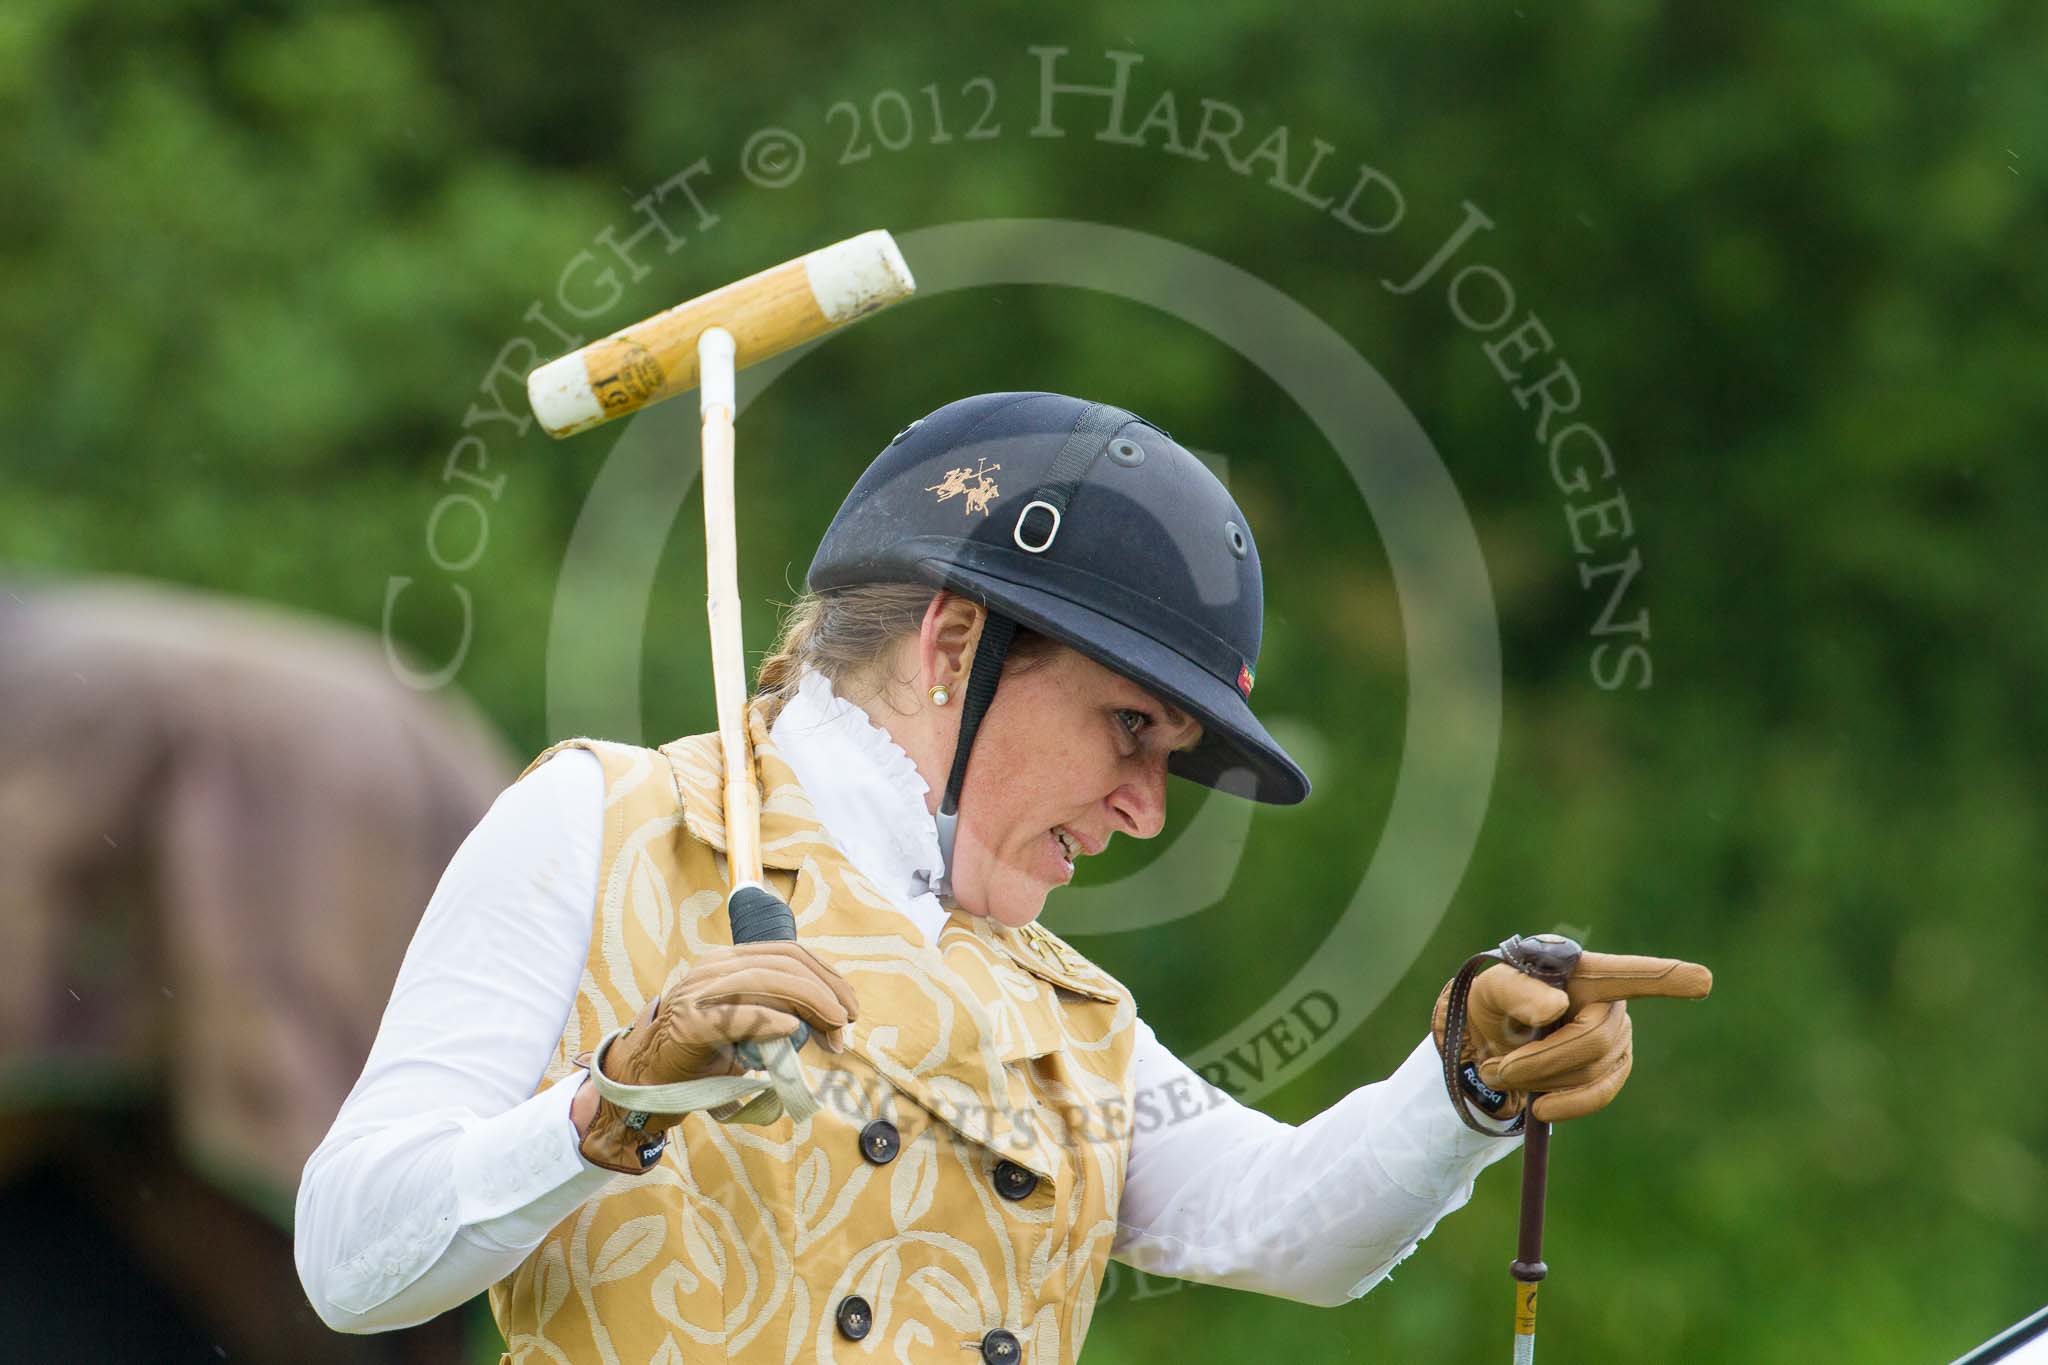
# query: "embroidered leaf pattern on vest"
[[911, 1186], [629, 1249], [551, 1284]]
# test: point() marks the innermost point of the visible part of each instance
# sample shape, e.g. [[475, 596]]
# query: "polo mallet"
[[1550, 958], [701, 344]]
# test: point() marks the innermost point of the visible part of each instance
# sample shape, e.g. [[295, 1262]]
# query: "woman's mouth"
[[1068, 849]]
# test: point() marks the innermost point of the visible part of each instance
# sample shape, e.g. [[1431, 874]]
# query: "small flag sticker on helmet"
[[1245, 679]]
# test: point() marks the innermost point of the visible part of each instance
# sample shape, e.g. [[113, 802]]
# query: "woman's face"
[[1068, 755]]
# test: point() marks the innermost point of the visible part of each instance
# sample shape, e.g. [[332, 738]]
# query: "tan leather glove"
[[729, 995], [1580, 1066]]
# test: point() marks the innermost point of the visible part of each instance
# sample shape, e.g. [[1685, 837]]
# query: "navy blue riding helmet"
[[1087, 524]]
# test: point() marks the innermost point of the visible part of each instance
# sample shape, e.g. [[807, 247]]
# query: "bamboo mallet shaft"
[[715, 351]]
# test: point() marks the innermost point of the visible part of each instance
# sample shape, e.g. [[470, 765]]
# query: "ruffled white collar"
[[868, 795]]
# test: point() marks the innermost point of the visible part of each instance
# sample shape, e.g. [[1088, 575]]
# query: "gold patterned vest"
[[961, 1177]]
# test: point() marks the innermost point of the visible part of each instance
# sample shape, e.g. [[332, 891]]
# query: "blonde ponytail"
[[845, 634]]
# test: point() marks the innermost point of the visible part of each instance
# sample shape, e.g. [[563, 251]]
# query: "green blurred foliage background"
[[256, 261]]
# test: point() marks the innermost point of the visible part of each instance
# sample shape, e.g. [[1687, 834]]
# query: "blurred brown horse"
[[219, 825]]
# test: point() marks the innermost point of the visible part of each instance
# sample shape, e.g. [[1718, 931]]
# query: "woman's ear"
[[946, 640]]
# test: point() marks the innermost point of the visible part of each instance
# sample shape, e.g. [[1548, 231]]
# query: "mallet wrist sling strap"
[[640, 1102]]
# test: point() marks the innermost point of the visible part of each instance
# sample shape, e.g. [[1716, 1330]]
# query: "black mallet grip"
[[758, 915]]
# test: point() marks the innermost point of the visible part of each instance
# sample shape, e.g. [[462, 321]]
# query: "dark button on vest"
[[1014, 1182], [856, 1318], [1001, 1346], [880, 1142]]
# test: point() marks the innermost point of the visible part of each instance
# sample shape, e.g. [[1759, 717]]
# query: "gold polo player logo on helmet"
[[974, 485]]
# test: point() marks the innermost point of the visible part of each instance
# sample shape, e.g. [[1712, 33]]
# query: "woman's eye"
[[1133, 722]]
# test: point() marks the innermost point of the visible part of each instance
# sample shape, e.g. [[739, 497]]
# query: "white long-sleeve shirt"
[[443, 1169]]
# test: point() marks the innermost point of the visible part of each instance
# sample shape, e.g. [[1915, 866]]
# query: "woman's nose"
[[1140, 803]]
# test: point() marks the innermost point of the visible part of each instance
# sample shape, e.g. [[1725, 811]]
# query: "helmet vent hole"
[[1129, 454], [1235, 535]]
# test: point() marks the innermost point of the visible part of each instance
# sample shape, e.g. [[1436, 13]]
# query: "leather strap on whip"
[[1549, 958]]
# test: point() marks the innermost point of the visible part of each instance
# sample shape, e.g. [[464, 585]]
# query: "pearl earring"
[[939, 695]]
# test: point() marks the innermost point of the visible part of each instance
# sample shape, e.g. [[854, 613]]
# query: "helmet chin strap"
[[1084, 445], [996, 634]]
